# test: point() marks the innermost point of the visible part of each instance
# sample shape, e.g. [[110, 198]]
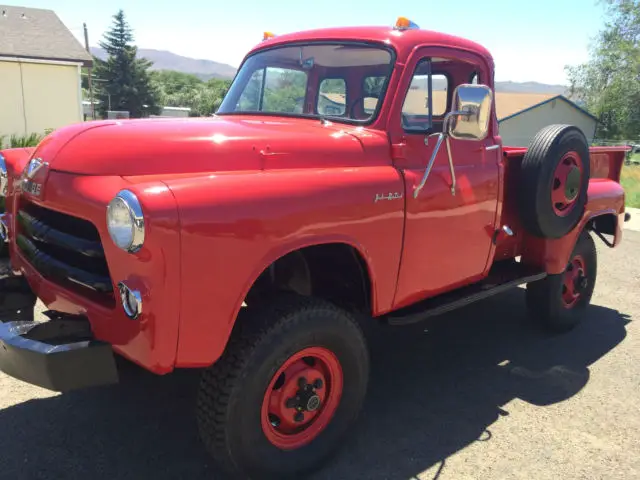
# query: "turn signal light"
[[403, 23]]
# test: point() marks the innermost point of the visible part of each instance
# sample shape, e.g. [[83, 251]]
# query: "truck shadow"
[[435, 389]]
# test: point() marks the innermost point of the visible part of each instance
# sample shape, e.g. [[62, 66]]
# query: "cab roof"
[[403, 41]]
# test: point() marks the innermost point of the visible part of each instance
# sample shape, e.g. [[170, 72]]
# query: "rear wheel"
[[559, 301], [287, 389]]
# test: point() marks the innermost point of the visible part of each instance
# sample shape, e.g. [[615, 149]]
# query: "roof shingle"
[[38, 34]]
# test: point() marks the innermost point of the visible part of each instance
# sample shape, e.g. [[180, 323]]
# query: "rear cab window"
[[332, 97]]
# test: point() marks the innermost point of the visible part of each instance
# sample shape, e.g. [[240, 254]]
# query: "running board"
[[502, 277]]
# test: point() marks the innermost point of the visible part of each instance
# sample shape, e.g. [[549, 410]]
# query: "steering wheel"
[[360, 100]]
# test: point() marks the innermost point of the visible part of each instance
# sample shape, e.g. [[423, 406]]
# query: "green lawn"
[[631, 183]]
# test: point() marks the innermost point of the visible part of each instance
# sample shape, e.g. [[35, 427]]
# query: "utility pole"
[[86, 45]]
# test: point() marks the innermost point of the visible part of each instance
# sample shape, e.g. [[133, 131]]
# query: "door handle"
[[492, 147]]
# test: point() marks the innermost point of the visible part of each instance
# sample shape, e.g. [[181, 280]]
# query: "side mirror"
[[471, 111], [467, 120]]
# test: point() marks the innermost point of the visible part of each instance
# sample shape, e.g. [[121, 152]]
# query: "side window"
[[422, 103], [273, 89], [332, 97]]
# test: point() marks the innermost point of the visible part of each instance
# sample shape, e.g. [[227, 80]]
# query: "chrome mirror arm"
[[441, 137], [429, 165], [451, 169]]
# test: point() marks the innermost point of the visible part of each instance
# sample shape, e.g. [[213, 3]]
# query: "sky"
[[530, 40]]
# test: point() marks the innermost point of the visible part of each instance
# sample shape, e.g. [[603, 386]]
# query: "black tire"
[[545, 297], [232, 390], [538, 181], [17, 301]]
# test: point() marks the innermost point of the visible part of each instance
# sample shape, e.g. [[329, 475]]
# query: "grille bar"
[[65, 249], [50, 267], [38, 230]]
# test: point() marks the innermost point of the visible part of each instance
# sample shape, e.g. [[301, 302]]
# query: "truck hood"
[[224, 143]]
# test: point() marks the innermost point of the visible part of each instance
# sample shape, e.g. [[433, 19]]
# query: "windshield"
[[344, 81]]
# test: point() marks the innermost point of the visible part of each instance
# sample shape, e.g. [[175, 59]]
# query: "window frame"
[[349, 121], [431, 116]]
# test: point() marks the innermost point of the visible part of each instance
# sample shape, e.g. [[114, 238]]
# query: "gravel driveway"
[[480, 393]]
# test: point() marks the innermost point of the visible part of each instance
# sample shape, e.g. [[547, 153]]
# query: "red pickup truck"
[[350, 175]]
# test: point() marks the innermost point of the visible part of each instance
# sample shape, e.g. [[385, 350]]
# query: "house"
[[520, 115], [40, 66], [164, 112]]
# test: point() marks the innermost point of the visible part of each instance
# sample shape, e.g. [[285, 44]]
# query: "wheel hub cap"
[[313, 403], [567, 180], [573, 184], [302, 398], [575, 282]]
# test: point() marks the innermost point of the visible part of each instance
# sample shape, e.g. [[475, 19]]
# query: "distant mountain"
[[440, 83], [163, 60], [530, 87], [206, 69]]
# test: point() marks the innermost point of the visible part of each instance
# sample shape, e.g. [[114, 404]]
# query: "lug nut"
[[318, 383], [291, 403], [302, 382], [298, 417]]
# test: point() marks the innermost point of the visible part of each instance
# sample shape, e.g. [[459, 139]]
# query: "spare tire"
[[554, 178]]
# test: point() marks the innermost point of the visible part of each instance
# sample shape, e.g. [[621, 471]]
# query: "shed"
[[40, 71], [521, 116]]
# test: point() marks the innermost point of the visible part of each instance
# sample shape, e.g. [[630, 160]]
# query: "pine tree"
[[123, 81]]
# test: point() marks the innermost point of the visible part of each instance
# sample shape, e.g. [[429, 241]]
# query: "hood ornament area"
[[33, 167]]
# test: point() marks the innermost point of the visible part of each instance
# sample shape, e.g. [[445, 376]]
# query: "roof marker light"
[[267, 36], [403, 23]]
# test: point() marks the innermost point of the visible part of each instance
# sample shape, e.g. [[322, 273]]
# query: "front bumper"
[[59, 354]]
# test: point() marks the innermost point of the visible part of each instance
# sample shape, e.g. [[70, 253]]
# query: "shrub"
[[21, 141]]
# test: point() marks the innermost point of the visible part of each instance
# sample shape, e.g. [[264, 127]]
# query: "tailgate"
[[606, 162]]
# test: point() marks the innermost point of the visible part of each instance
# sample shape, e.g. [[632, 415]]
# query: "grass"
[[631, 183]]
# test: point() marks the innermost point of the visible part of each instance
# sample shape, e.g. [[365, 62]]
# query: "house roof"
[[508, 104], [38, 34], [544, 101]]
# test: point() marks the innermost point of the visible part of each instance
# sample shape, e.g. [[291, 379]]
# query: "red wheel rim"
[[574, 281], [567, 180], [302, 398]]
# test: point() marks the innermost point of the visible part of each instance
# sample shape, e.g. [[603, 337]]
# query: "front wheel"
[[287, 389], [559, 301]]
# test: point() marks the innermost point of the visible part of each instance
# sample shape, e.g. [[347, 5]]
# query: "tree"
[[124, 81], [179, 89], [609, 82]]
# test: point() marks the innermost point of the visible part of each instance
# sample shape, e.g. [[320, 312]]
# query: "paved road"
[[480, 394]]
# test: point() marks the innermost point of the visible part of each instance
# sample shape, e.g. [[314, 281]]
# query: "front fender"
[[235, 224], [604, 197]]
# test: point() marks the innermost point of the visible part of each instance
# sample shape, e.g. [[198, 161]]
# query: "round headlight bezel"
[[136, 217]]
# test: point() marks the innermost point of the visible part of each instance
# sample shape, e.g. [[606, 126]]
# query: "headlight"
[[4, 177], [125, 221]]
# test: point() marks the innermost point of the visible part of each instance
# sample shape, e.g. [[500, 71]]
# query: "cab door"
[[448, 233]]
